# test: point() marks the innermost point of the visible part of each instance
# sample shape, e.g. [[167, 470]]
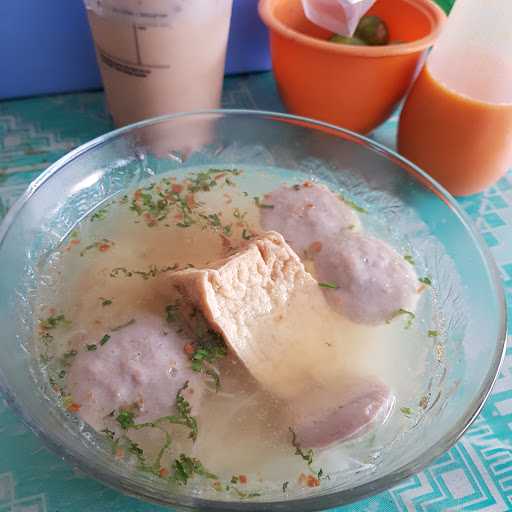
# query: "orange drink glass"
[[457, 121]]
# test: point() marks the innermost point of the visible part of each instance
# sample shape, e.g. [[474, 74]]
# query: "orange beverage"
[[457, 122], [462, 142]]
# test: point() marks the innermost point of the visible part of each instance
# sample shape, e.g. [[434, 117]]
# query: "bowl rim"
[[311, 503], [432, 11]]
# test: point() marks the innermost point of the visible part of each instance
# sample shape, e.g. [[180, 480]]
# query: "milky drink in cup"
[[160, 56]]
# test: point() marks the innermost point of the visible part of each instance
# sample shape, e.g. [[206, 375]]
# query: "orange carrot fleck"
[[307, 184], [104, 247], [177, 188], [73, 407], [312, 481], [138, 194], [189, 348], [242, 479], [150, 220], [315, 247], [191, 202], [163, 472], [226, 242]]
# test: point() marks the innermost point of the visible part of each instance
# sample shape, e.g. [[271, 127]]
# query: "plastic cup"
[[457, 122], [160, 56]]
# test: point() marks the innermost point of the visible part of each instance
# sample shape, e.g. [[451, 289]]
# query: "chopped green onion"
[[409, 259], [352, 204], [400, 312], [104, 340], [126, 419], [332, 286], [122, 326], [259, 204]]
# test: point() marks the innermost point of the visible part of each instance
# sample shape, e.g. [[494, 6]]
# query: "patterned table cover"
[[476, 474]]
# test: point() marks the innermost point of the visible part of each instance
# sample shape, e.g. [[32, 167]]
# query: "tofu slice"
[[258, 299]]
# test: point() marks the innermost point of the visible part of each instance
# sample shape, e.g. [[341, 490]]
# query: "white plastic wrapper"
[[339, 16]]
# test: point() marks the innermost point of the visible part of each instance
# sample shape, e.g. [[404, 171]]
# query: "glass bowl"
[[413, 210]]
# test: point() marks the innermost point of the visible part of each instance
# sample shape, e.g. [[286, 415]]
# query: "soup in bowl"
[[219, 310]]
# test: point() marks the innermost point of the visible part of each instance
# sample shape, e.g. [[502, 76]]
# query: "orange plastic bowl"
[[356, 87]]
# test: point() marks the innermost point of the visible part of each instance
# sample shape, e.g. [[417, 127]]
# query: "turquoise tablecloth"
[[476, 474]]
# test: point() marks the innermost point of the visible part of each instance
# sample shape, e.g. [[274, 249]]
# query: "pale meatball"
[[306, 214], [373, 281], [143, 365], [319, 424]]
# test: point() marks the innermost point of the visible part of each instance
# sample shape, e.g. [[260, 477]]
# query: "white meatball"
[[139, 365], [306, 214], [373, 281]]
